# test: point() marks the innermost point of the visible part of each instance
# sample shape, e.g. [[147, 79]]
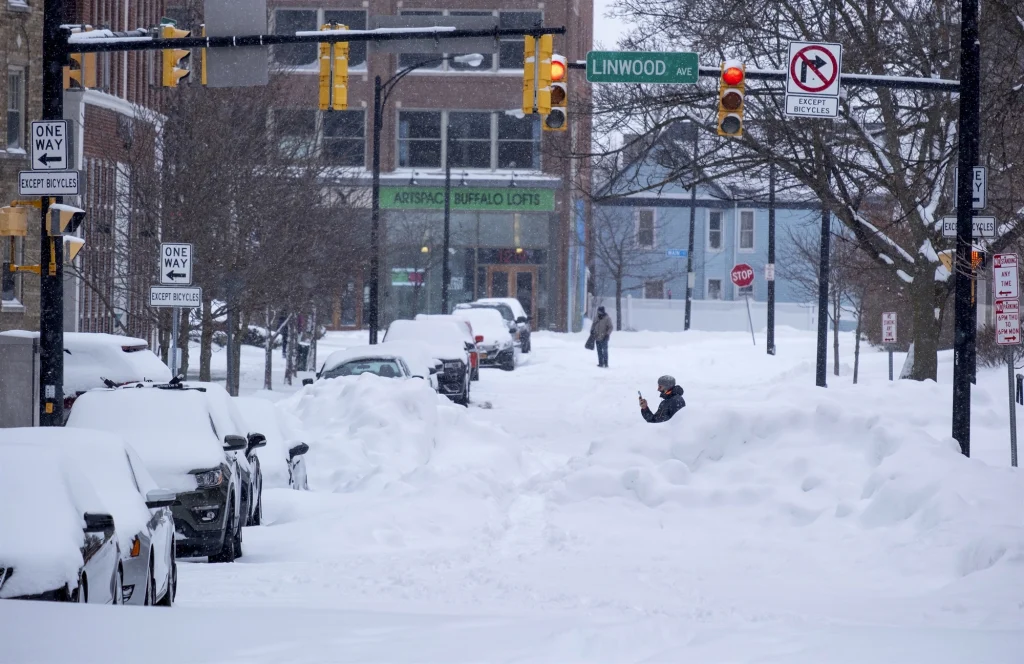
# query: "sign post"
[[743, 276], [175, 270], [889, 334], [1006, 284], [812, 79]]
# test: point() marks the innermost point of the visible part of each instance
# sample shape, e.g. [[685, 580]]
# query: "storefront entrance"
[[518, 281]]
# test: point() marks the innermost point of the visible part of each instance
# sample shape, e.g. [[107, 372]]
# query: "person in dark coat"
[[671, 401], [601, 331]]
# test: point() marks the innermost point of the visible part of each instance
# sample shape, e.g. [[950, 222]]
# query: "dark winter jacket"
[[672, 402], [602, 327]]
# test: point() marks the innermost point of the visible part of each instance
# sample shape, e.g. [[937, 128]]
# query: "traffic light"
[[730, 99], [557, 118], [333, 72], [64, 219], [13, 222], [537, 54], [72, 245], [81, 73], [175, 60]]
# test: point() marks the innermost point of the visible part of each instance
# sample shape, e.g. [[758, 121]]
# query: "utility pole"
[[375, 217], [771, 258], [51, 250], [970, 128], [693, 222], [823, 270], [446, 275]]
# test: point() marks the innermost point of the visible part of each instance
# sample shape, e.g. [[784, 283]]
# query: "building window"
[[654, 290], [419, 139], [488, 62], [645, 228], [296, 132], [355, 19], [746, 234], [10, 282], [344, 138], [470, 140], [714, 289], [288, 22], [16, 109], [518, 142], [510, 54], [715, 230], [413, 59]]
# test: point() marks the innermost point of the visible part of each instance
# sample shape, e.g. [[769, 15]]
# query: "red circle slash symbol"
[[813, 63]]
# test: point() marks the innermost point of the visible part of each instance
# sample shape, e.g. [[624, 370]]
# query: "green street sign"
[[641, 67], [502, 199]]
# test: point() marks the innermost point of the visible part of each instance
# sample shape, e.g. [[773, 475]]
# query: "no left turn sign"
[[814, 69]]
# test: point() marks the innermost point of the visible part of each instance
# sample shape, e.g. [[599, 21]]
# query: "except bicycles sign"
[[812, 79]]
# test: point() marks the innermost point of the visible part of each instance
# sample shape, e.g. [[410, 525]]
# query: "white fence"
[[707, 315]]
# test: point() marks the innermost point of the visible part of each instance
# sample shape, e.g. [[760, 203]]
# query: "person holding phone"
[[671, 401]]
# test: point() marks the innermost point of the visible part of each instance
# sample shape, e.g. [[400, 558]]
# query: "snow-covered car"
[[94, 360], [177, 435], [506, 315], [493, 340], [141, 510], [468, 334], [446, 341], [52, 546], [282, 460], [229, 421], [523, 319]]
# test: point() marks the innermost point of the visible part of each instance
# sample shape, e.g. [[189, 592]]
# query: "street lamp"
[[381, 92]]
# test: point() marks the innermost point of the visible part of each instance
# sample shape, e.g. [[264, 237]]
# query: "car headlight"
[[209, 478]]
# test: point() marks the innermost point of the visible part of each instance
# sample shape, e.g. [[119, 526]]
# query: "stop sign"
[[742, 275]]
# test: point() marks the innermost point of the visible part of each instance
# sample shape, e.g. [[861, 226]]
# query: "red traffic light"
[[557, 70], [733, 76]]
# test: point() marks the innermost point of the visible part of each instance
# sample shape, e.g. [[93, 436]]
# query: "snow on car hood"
[[442, 338], [40, 524], [171, 430], [487, 323]]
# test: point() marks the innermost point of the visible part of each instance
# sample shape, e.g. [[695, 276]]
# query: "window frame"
[[324, 139], [276, 128], [740, 232], [721, 231], [494, 141], [639, 220], [441, 137], [520, 40], [21, 74], [707, 289], [320, 14]]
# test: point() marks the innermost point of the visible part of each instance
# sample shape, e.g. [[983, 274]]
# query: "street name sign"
[[642, 67], [889, 327], [812, 79], [1007, 322], [171, 296], [175, 264], [979, 187], [48, 183], [676, 253], [50, 145], [980, 227], [1005, 277]]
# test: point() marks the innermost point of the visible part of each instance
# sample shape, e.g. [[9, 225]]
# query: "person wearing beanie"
[[600, 332], [671, 401]]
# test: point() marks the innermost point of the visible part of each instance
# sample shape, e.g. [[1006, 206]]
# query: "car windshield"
[[504, 310], [386, 368]]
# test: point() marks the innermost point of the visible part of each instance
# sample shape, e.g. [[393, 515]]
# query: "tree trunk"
[[856, 344], [924, 363], [236, 342], [268, 354], [836, 313], [293, 343], [164, 334], [311, 358], [184, 333], [618, 303], [206, 340]]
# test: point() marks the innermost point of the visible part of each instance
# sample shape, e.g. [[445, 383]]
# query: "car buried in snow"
[[392, 361], [522, 319], [493, 340], [283, 459], [445, 340]]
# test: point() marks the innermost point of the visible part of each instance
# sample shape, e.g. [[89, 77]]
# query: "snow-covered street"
[[771, 521]]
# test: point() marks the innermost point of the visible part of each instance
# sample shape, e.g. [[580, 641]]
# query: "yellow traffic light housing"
[[13, 222], [63, 219], [537, 74], [175, 60], [72, 245], [333, 72], [557, 118], [81, 72], [731, 91]]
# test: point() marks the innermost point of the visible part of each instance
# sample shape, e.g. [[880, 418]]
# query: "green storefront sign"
[[641, 67], [506, 199]]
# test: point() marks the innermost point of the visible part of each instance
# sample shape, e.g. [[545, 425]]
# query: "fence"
[[707, 315]]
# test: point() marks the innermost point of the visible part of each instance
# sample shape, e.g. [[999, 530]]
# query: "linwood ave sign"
[[641, 67]]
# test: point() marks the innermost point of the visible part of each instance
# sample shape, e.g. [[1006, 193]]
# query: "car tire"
[[150, 597], [227, 551], [172, 587], [510, 365], [475, 375], [79, 595], [117, 593], [236, 542], [257, 515]]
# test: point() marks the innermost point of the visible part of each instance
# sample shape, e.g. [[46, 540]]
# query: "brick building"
[[518, 225]]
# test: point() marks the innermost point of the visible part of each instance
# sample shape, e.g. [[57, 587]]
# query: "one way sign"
[[176, 264], [50, 145]]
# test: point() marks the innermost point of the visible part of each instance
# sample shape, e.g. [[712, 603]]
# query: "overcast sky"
[[606, 30]]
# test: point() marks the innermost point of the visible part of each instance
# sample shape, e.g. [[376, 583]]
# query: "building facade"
[[516, 215]]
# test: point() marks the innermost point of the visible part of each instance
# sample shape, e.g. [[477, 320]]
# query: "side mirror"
[[479, 338], [98, 523], [433, 371], [234, 443], [470, 346], [257, 440], [160, 498], [522, 319], [298, 450], [307, 381]]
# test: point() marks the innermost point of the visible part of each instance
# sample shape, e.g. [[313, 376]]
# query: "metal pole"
[[446, 275], [1013, 408], [51, 253], [771, 258], [970, 127], [175, 315], [693, 222], [375, 217], [890, 362], [231, 348], [823, 270], [750, 320]]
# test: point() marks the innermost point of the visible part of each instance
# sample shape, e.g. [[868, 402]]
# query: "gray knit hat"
[[666, 382]]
